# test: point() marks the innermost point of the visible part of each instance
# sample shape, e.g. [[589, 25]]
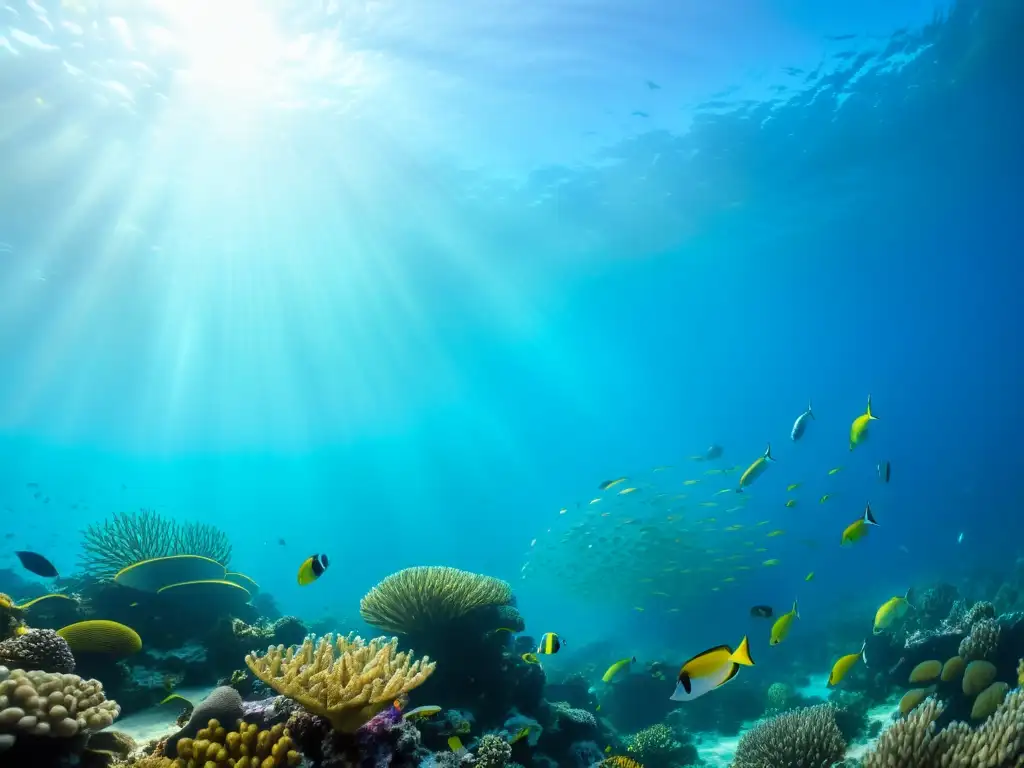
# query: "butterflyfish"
[[549, 643], [428, 710], [711, 669], [891, 611], [859, 427], [35, 563], [800, 425], [756, 469], [859, 528], [312, 568], [782, 625], [844, 664], [617, 667]]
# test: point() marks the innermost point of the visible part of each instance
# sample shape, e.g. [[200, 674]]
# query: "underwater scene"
[[578, 384]]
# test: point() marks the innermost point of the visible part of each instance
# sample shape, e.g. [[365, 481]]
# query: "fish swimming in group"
[[611, 483], [890, 612], [884, 471], [800, 425], [35, 563], [617, 667], [782, 625], [711, 669], [312, 568], [550, 643], [791, 503], [756, 469], [859, 528], [713, 452], [845, 663], [762, 612], [859, 427]]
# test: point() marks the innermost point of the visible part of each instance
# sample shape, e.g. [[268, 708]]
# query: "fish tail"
[[768, 453], [864, 652], [868, 413], [742, 654], [796, 611], [869, 517], [811, 411], [906, 598]]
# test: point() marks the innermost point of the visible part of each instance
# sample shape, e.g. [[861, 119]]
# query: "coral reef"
[[492, 752], [37, 649], [346, 680], [244, 747], [657, 747], [983, 640], [806, 737]]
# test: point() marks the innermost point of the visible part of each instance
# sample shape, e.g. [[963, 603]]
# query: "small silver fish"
[[801, 423]]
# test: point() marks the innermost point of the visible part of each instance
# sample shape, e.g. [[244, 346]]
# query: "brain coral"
[[807, 737], [37, 649]]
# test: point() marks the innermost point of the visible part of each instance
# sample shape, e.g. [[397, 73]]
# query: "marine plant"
[[807, 737], [131, 537], [345, 680], [417, 600]]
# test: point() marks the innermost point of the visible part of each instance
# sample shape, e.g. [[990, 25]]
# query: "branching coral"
[[656, 746], [806, 737], [493, 752], [347, 680], [131, 537], [418, 599]]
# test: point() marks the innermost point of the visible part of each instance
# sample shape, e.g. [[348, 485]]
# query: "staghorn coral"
[[131, 537], [983, 640], [347, 681], [37, 649], [807, 737], [50, 705], [245, 747], [418, 599], [492, 752]]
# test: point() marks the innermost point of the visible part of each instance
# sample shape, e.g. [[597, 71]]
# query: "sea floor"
[[159, 721]]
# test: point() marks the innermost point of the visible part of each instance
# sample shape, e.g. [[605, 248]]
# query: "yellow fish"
[[734, 527], [782, 625], [792, 486], [690, 482], [625, 491], [638, 608], [845, 664], [859, 528], [611, 483], [773, 561], [710, 670], [615, 668], [728, 579], [791, 503], [756, 469], [889, 612], [859, 428], [724, 490], [777, 532], [825, 498], [834, 470], [531, 658], [312, 568], [521, 734], [708, 504], [809, 576], [455, 745]]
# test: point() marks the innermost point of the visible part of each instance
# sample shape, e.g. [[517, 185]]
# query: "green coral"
[[655, 746], [131, 537], [807, 737]]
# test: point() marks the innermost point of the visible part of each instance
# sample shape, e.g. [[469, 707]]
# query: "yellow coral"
[[347, 681], [245, 747]]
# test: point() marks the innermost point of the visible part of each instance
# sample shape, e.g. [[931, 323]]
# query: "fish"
[[617, 667], [428, 710], [792, 486], [835, 470], [713, 452], [777, 532], [177, 697], [35, 563], [770, 562], [859, 528], [455, 745], [312, 568], [762, 612], [711, 669], [791, 503], [531, 658], [549, 643], [519, 735], [960, 538], [889, 612], [626, 491], [756, 469], [859, 427], [782, 625], [845, 663], [809, 576], [800, 425], [611, 483], [884, 471], [281, 542], [825, 498]]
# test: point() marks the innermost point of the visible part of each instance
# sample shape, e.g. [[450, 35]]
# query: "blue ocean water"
[[398, 281]]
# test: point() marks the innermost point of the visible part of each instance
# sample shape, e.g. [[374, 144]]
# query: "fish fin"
[[868, 413], [869, 517], [796, 611], [906, 598], [768, 453], [811, 411], [742, 654], [864, 651], [684, 680]]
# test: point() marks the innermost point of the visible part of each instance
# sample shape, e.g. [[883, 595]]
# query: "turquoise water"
[[399, 281]]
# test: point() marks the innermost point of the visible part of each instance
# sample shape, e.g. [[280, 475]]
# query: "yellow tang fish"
[[859, 528], [312, 568], [782, 625], [845, 664], [859, 428], [617, 667], [756, 469], [889, 612], [711, 669], [791, 503], [792, 486]]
